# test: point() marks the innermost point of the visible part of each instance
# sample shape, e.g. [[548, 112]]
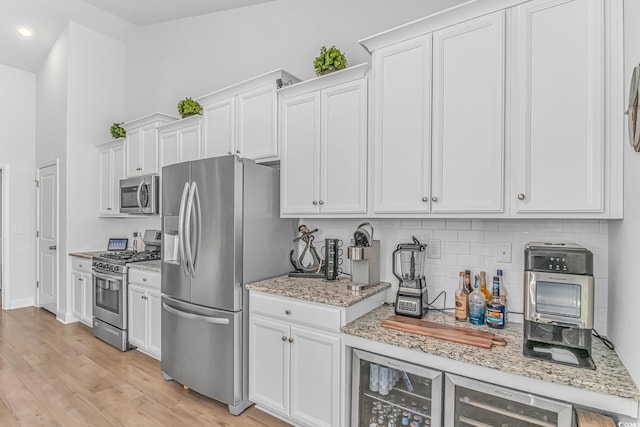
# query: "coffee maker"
[[558, 303], [411, 299], [364, 254]]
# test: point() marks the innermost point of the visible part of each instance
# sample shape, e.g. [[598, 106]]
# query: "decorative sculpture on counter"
[[303, 267]]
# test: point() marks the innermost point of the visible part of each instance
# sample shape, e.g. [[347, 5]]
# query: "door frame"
[[40, 166], [4, 224]]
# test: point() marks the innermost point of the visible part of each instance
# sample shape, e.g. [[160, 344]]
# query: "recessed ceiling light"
[[25, 31]]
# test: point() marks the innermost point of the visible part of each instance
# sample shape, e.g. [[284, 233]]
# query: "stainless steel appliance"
[[364, 254], [412, 289], [385, 390], [110, 289], [221, 230], [558, 303], [474, 403], [140, 195]]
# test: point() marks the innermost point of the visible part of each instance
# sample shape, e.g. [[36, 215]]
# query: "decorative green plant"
[[118, 131], [188, 107], [330, 60]]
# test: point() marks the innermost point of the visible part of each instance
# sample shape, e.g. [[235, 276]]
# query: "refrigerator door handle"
[[198, 214], [187, 227], [183, 260], [191, 316]]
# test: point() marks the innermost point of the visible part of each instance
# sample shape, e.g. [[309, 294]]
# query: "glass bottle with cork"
[[462, 299]]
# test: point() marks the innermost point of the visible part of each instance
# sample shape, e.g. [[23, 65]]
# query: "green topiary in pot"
[[330, 60], [118, 131], [188, 107]]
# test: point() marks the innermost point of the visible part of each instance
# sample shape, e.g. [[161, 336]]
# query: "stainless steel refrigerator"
[[221, 229]]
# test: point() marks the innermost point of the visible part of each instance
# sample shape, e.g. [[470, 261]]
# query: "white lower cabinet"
[[294, 359], [144, 311], [82, 279]]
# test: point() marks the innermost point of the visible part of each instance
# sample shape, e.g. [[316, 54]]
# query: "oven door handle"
[[181, 232], [114, 286], [191, 316]]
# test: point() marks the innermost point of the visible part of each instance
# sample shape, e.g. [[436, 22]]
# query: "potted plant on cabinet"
[[117, 131], [188, 107], [329, 60]]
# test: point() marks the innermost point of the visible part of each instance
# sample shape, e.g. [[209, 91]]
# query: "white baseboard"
[[66, 317], [19, 303]]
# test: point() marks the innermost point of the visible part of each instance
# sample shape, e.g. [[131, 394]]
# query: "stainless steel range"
[[110, 290]]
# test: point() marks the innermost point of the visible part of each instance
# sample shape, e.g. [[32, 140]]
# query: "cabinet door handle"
[[229, 152], [434, 199], [425, 199], [144, 297], [144, 279], [53, 247], [287, 312], [290, 339], [108, 209], [321, 202], [284, 338], [314, 202], [238, 151], [521, 196]]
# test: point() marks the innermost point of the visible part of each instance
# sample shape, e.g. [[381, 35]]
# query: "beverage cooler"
[[474, 403], [390, 393]]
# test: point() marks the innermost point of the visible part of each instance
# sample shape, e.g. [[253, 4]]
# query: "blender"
[[412, 289]]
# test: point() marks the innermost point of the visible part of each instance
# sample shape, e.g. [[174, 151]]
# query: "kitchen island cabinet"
[[144, 307], [296, 358], [609, 388]]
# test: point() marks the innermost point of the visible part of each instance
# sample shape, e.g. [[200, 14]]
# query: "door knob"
[[521, 196], [53, 247]]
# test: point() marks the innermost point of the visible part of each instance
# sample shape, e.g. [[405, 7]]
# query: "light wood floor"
[[60, 375]]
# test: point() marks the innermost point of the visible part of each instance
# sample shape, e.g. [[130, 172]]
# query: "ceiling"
[[47, 19]]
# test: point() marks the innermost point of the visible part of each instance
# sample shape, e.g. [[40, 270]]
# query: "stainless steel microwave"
[[140, 195]]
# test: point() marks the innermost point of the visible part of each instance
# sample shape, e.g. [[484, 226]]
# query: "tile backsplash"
[[473, 244]]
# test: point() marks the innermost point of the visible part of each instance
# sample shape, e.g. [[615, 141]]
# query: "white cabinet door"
[[343, 157], [142, 150], [154, 323], [560, 120], [137, 316], [190, 141], [315, 376], [87, 305], [134, 149], [219, 128], [269, 363], [112, 158], [300, 146], [257, 123], [468, 116], [402, 127], [169, 148]]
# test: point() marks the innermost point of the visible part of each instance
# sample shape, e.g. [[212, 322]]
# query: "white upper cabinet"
[[181, 141], [468, 116], [560, 152], [323, 142], [242, 119], [112, 160], [142, 144], [402, 127]]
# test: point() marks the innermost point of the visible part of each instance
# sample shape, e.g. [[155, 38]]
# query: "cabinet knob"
[[287, 312], [521, 196], [434, 199], [425, 199], [108, 209], [144, 297], [315, 202], [290, 339], [144, 279], [237, 151], [321, 202], [284, 338], [79, 265], [229, 152]]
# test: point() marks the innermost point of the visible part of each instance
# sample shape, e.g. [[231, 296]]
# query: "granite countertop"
[[153, 265], [87, 254], [610, 376], [316, 290]]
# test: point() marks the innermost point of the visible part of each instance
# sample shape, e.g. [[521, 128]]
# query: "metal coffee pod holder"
[[364, 254], [332, 260]]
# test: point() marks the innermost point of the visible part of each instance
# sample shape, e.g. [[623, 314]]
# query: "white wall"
[[624, 235], [191, 57], [17, 145]]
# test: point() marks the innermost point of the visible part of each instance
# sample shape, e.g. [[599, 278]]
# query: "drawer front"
[[81, 264], [296, 311], [149, 279]]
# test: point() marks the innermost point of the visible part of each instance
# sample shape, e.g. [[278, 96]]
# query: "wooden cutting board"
[[484, 339]]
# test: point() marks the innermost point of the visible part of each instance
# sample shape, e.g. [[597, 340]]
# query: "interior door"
[[48, 238]]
